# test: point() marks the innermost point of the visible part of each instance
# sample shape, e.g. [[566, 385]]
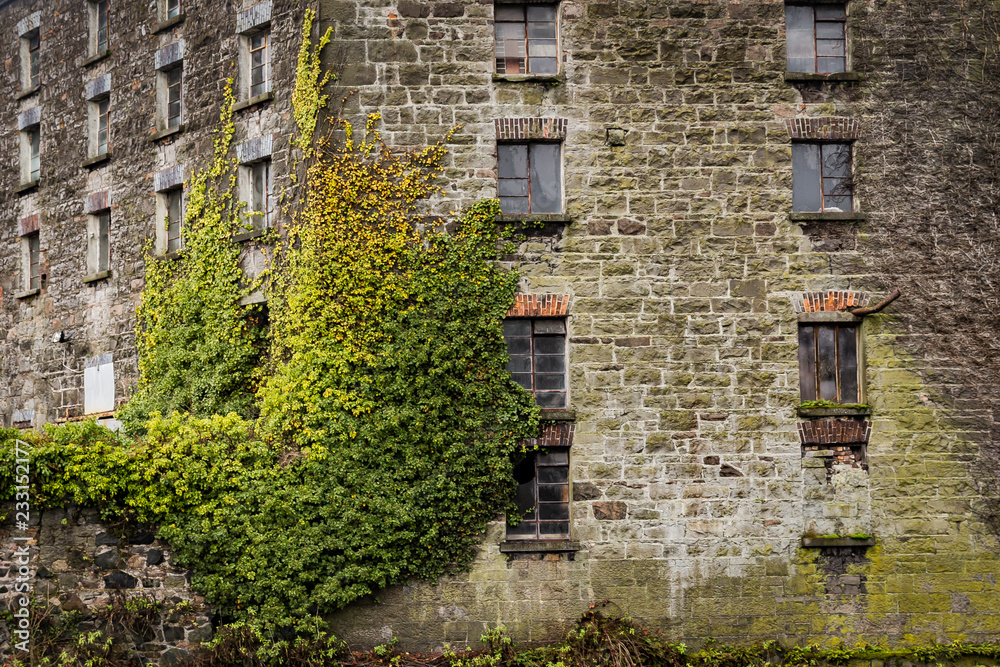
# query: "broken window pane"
[[816, 38], [806, 177], [546, 178], [526, 39], [542, 496], [537, 350]]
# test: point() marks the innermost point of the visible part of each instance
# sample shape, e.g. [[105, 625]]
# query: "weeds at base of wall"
[[597, 640]]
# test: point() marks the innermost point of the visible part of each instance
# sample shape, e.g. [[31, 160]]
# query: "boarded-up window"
[[822, 178], [530, 177], [98, 384], [538, 358], [527, 39], [542, 496], [817, 38], [828, 363]]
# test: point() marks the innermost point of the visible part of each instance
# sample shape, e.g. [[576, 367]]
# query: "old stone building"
[[736, 448]]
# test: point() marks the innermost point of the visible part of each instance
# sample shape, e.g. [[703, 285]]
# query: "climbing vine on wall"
[[388, 420], [198, 347]]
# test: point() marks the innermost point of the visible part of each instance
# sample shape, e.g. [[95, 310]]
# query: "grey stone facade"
[[703, 501]]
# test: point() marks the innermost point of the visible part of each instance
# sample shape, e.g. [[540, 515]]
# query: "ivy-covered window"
[[542, 496], [526, 38], [822, 178], [829, 369], [537, 350], [530, 177], [817, 38], [175, 218]]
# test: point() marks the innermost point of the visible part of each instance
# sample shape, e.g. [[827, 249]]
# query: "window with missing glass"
[[527, 39], [256, 192], [542, 496], [98, 242], [537, 349], [530, 177], [822, 178], [817, 38], [829, 368]]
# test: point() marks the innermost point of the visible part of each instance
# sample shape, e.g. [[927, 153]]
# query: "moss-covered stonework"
[[691, 495]]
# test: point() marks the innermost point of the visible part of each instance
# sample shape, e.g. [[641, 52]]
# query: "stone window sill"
[[26, 187], [28, 293], [254, 101], [826, 542], [169, 132], [834, 412], [829, 316], [249, 235], [820, 216], [100, 275], [534, 217], [96, 160], [94, 59], [169, 256], [837, 77], [530, 78], [558, 415], [168, 24], [28, 93], [533, 546]]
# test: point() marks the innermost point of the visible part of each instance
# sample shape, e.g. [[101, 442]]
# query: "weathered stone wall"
[[42, 378], [682, 263], [79, 566]]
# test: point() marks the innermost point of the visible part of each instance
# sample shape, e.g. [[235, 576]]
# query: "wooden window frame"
[[174, 237], [559, 177], [264, 86], [813, 6], [810, 362], [524, 66], [99, 45], [844, 182], [172, 121], [31, 51]]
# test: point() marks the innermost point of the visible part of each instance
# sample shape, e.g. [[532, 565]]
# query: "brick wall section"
[[825, 302], [834, 431], [530, 129], [559, 434], [28, 224], [824, 129], [540, 305]]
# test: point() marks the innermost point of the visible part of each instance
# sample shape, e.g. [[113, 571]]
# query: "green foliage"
[[198, 347], [807, 405], [310, 79]]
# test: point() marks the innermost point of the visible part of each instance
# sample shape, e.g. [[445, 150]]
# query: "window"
[[526, 39], [174, 219], [542, 496], [100, 121], [98, 14], [255, 187], [173, 82], [30, 67], [537, 350], [31, 148], [530, 177], [98, 242], [259, 63], [31, 253], [817, 38], [170, 9], [822, 178], [828, 363]]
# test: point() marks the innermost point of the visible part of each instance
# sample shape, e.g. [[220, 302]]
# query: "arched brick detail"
[[531, 129], [830, 301], [834, 432], [823, 129], [540, 305]]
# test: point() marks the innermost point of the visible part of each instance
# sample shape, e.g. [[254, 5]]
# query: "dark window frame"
[[34, 260], [174, 223], [533, 180], [101, 27], [32, 51], [170, 88], [103, 109], [34, 154], [816, 367], [829, 188], [103, 240], [522, 60], [533, 378], [543, 499], [817, 20]]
